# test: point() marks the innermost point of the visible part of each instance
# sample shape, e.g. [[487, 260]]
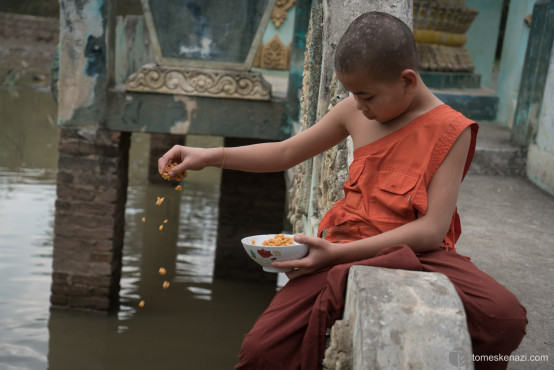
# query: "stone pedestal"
[[89, 220], [439, 30], [396, 319], [249, 204]]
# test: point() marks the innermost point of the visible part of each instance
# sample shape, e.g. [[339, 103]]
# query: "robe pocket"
[[392, 200], [353, 192]]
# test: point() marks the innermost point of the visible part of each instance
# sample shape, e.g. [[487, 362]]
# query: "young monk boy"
[[411, 153]]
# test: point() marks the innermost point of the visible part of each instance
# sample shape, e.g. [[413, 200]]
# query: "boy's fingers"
[[161, 164], [171, 154], [163, 161], [312, 241], [295, 273], [293, 264], [180, 168]]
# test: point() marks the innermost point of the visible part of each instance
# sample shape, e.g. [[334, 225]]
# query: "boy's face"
[[377, 100]]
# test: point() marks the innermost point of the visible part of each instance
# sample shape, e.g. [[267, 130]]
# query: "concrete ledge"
[[396, 319], [495, 154]]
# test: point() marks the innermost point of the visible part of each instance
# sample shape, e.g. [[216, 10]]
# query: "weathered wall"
[[317, 183], [86, 61]]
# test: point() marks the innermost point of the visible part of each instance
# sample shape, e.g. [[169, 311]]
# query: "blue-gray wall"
[[482, 37]]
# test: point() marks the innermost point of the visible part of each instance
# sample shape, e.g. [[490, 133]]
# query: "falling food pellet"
[[143, 219], [162, 271], [161, 227], [178, 188], [165, 284], [141, 304], [165, 221], [159, 200]]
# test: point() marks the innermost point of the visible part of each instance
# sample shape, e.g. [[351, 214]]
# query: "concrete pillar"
[[516, 34], [482, 37], [540, 158], [249, 204], [535, 70]]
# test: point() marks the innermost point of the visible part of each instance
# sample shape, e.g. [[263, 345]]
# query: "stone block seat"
[[397, 319]]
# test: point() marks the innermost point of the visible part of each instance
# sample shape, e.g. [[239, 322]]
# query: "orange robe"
[[387, 187]]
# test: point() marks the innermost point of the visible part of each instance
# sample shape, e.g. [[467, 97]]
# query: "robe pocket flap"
[[396, 182]]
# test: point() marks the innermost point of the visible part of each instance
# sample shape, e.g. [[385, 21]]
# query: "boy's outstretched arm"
[[265, 157], [423, 234]]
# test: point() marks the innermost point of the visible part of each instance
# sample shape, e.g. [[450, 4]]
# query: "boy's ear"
[[409, 79]]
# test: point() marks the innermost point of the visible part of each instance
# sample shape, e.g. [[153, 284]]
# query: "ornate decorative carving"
[[199, 82], [439, 31], [273, 55], [280, 11]]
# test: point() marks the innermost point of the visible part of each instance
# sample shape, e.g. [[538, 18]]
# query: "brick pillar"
[[89, 220], [249, 204]]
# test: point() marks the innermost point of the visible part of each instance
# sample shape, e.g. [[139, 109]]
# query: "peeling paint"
[[82, 55], [96, 56], [190, 106], [92, 18]]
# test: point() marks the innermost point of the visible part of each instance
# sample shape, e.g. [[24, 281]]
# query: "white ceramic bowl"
[[266, 255]]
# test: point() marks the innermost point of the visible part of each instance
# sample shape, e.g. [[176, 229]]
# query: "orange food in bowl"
[[278, 240]]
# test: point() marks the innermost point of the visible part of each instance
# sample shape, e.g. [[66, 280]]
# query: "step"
[[495, 154], [479, 104]]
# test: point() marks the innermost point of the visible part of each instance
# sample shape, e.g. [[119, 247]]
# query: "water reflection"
[[28, 156], [197, 323]]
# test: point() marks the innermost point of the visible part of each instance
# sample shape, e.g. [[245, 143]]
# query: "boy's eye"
[[368, 99]]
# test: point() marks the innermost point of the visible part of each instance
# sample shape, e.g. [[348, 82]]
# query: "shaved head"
[[378, 43]]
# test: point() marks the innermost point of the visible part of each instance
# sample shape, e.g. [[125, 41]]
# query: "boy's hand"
[[320, 255], [187, 158]]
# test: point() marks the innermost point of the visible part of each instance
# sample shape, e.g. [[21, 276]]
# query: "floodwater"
[[198, 323]]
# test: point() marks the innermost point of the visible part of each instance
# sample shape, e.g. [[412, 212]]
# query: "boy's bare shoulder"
[[347, 104], [345, 110], [342, 113]]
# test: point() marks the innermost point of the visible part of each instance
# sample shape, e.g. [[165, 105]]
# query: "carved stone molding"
[[279, 14], [199, 82], [273, 55]]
